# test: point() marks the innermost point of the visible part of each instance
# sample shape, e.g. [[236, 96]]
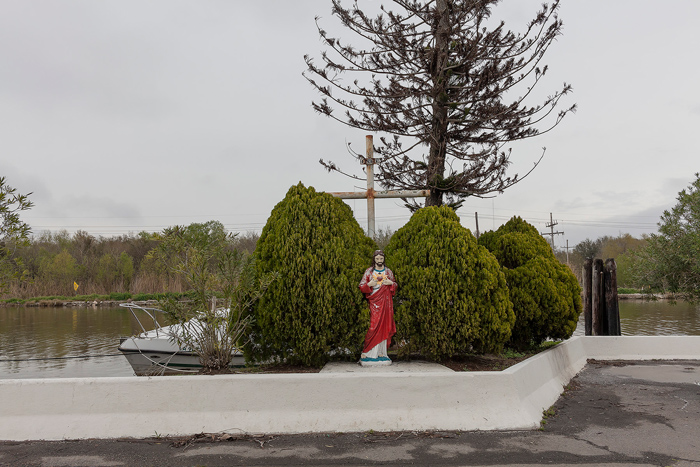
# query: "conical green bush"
[[545, 293], [314, 308], [452, 295]]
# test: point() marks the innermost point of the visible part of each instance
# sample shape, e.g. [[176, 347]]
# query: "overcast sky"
[[122, 116]]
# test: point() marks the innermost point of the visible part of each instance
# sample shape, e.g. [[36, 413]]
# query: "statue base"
[[381, 361]]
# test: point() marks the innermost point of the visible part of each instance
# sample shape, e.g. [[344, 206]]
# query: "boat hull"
[[159, 356], [150, 363]]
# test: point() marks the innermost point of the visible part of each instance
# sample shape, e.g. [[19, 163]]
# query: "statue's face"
[[379, 260]]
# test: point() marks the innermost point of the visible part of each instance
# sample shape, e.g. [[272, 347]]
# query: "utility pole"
[[371, 194], [567, 251], [552, 233]]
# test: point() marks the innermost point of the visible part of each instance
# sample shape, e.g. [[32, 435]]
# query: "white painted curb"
[[77, 408]]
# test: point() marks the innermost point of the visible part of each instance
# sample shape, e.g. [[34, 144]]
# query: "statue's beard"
[[379, 265]]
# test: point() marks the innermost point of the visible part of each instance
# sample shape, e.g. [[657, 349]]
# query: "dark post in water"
[[601, 312], [612, 309], [587, 312], [597, 301]]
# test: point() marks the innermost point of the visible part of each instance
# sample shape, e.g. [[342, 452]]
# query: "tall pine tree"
[[443, 75]]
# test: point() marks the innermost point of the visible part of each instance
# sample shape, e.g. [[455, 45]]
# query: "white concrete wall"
[[643, 347], [297, 403]]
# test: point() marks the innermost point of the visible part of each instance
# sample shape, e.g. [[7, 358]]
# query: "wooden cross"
[[371, 194]]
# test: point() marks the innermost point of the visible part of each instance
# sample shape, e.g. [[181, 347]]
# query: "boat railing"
[[151, 312]]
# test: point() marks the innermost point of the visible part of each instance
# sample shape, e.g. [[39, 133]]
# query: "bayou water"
[[655, 318], [64, 342], [82, 342]]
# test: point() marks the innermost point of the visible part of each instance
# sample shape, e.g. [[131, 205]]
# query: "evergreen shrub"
[[452, 295], [314, 308], [545, 293]]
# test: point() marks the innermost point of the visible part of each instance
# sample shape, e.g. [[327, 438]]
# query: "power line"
[[115, 228]]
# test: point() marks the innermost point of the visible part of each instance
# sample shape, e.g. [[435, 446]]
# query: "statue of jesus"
[[379, 286]]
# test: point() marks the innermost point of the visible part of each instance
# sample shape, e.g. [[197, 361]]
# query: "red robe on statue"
[[381, 309]]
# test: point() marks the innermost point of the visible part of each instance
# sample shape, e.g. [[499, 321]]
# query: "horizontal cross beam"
[[381, 194]]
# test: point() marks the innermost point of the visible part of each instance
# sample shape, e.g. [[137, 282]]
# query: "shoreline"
[[647, 297], [116, 303], [78, 303]]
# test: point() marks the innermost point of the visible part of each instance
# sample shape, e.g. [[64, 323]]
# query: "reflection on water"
[[64, 342], [35, 342], [659, 318]]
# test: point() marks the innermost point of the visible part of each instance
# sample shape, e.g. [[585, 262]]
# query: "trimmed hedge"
[[314, 308], [452, 295], [545, 293]]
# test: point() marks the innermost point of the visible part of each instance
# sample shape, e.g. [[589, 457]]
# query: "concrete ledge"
[[642, 347], [55, 409]]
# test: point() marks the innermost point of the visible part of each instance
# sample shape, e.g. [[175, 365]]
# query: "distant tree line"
[[53, 262], [621, 248]]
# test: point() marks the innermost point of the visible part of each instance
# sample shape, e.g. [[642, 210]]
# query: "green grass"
[[120, 296], [510, 353], [531, 350], [547, 414]]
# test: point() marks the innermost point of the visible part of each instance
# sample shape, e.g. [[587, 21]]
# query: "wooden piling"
[[597, 301], [612, 309], [587, 298]]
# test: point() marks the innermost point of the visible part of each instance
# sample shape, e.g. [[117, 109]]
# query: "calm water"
[[64, 342], [659, 318], [79, 342]]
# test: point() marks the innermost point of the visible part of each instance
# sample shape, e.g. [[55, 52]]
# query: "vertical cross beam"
[[369, 144]]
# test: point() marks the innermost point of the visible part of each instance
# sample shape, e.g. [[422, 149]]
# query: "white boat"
[[157, 352]]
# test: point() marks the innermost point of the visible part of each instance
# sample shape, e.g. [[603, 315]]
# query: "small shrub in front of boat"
[[215, 321], [314, 308]]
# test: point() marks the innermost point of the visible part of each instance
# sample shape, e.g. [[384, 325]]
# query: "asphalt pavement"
[[611, 413]]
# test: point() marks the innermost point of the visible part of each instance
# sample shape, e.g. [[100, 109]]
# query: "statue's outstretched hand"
[[387, 281], [372, 283]]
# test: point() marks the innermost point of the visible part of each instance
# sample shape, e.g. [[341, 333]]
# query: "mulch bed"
[[482, 362], [486, 362], [286, 369]]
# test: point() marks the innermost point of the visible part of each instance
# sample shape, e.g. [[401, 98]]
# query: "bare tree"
[[439, 73]]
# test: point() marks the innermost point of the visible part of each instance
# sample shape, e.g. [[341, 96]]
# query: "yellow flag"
[[75, 286]]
